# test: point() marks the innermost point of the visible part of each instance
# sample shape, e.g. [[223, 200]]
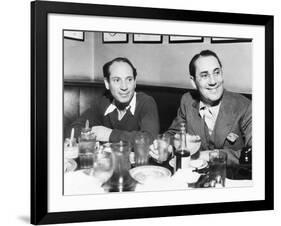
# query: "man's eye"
[[130, 79], [217, 72], [116, 80], [204, 75]]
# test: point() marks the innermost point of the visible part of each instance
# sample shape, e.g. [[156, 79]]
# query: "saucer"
[[198, 163]]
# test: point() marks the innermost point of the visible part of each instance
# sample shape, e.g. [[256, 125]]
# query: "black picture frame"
[[39, 112], [147, 38], [117, 38], [229, 40], [185, 39], [74, 35]]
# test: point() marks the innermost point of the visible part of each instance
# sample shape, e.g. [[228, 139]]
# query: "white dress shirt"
[[209, 114], [121, 113]]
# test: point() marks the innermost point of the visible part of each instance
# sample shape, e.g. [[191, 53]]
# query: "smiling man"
[[123, 113], [222, 119]]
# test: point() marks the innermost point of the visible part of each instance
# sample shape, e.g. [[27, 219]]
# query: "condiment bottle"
[[182, 155]]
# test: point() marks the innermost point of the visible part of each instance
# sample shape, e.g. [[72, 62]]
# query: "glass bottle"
[[245, 164], [182, 154]]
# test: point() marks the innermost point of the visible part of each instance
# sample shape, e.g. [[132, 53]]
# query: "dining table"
[[153, 176]]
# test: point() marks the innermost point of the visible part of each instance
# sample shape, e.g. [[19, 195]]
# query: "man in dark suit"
[[222, 119]]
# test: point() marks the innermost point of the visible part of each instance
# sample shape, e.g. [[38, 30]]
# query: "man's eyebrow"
[[115, 76], [204, 72]]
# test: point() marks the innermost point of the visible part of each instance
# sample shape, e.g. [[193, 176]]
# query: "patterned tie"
[[209, 118]]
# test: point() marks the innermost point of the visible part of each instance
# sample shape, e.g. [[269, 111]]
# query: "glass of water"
[[87, 147], [217, 167]]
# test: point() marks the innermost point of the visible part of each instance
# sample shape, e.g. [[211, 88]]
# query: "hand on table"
[[154, 150], [193, 143], [102, 133]]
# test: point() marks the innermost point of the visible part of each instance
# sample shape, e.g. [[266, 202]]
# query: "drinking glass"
[[217, 167], [163, 142], [87, 147], [141, 149], [103, 163], [70, 148]]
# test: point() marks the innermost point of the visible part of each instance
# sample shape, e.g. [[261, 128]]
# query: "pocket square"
[[232, 137]]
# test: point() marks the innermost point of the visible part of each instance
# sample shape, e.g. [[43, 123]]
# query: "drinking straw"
[[71, 136], [87, 124]]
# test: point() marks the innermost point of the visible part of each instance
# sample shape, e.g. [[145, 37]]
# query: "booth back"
[[79, 96]]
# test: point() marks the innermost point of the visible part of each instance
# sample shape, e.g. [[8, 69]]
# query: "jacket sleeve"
[[148, 123], [246, 129]]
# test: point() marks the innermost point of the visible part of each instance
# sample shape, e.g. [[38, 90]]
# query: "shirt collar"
[[213, 109], [131, 106]]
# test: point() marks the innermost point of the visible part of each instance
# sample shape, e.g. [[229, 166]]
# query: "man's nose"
[[124, 85], [212, 80]]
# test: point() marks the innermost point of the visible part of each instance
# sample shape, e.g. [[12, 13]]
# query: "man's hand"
[[193, 142], [154, 152], [102, 133]]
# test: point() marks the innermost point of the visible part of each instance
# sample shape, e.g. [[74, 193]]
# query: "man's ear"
[[106, 83], [192, 81]]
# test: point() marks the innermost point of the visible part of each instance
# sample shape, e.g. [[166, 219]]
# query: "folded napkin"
[[179, 181], [79, 183]]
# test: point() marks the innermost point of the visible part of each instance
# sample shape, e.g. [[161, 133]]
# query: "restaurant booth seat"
[[79, 96]]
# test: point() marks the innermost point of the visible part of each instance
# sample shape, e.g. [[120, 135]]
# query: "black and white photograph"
[[144, 113], [156, 117]]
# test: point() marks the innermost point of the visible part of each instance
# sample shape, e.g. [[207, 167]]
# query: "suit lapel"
[[224, 120]]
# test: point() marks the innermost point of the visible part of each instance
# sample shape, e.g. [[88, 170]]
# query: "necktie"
[[209, 119]]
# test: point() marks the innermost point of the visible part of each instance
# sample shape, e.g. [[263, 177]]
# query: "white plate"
[[143, 174], [69, 165], [186, 175]]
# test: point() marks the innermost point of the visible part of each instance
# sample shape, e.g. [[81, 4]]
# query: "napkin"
[[179, 181], [79, 183], [163, 184]]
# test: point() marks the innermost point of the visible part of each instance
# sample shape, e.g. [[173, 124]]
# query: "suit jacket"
[[233, 127]]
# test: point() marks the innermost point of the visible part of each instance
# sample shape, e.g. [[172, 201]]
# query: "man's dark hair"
[[203, 53], [106, 67]]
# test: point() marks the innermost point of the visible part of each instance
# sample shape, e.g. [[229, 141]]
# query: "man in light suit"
[[222, 119]]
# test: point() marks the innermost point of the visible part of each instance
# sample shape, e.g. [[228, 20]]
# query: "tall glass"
[[141, 149], [87, 147], [103, 163], [217, 167], [163, 142]]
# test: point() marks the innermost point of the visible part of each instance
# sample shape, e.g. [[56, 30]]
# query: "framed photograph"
[[147, 38], [68, 78], [229, 40], [113, 37], [184, 39], [74, 35]]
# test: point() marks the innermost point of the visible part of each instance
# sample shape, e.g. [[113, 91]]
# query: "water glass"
[[103, 164], [141, 149], [163, 142], [217, 167], [87, 147]]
